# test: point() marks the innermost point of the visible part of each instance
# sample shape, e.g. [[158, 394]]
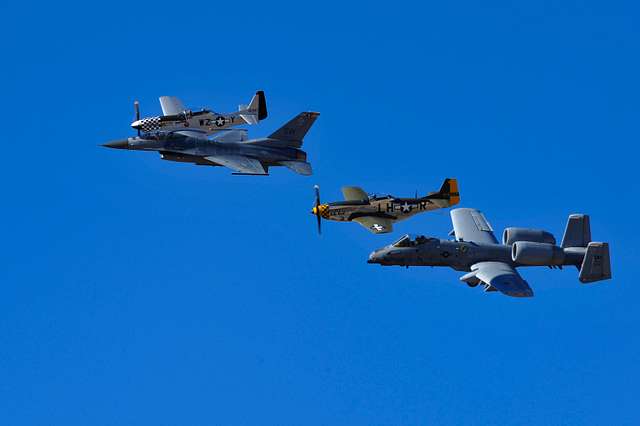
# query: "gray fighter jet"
[[232, 148], [175, 116], [476, 251], [379, 213]]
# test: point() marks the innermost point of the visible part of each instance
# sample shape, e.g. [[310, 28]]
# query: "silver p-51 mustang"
[[175, 116], [476, 251]]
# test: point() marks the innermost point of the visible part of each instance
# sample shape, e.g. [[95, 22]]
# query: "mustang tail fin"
[[448, 193], [256, 110], [596, 264], [578, 231], [292, 133]]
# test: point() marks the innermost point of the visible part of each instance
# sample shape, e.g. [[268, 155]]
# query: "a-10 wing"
[[471, 225], [502, 277]]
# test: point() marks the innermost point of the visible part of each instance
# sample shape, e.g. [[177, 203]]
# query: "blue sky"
[[138, 291]]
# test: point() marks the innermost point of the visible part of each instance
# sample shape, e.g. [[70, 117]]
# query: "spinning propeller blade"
[[136, 107], [317, 208]]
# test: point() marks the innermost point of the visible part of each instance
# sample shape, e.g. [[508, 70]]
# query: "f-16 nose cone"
[[119, 144]]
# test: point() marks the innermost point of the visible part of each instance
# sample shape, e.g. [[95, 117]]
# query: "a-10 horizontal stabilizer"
[[596, 264]]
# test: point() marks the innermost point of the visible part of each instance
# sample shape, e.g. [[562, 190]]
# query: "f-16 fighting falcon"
[[176, 117], [232, 148], [476, 251], [378, 213]]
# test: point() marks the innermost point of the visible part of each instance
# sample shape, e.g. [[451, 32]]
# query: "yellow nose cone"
[[314, 210]]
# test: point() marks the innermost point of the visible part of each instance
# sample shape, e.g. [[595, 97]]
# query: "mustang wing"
[[353, 193], [503, 278], [239, 163], [171, 105], [377, 225], [471, 225]]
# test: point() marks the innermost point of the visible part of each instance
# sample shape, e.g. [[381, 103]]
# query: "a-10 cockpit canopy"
[[407, 241]]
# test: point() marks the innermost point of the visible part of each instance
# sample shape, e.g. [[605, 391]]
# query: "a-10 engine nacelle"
[[537, 254], [511, 235]]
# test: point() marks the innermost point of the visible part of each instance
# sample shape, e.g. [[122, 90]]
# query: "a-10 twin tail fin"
[[596, 264]]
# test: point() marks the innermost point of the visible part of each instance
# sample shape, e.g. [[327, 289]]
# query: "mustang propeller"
[[136, 107], [316, 209]]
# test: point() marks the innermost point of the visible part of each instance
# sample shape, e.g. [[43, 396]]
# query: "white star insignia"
[[406, 208]]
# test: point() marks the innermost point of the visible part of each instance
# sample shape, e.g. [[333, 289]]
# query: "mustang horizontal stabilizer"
[[239, 163], [377, 225]]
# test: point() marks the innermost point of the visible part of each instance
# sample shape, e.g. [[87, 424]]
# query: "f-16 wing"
[[301, 167], [471, 225], [232, 136], [377, 225], [239, 164], [193, 133], [502, 277], [353, 193], [171, 105]]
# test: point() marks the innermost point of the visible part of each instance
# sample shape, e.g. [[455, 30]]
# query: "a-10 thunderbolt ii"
[[476, 251], [379, 213], [232, 148], [175, 116]]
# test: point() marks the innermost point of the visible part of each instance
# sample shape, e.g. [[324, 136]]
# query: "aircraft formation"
[[208, 138]]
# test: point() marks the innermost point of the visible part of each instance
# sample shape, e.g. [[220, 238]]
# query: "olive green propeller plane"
[[379, 213]]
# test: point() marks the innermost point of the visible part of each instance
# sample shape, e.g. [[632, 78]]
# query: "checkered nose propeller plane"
[[379, 213], [175, 116]]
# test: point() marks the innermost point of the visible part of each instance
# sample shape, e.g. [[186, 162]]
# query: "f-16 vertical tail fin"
[[578, 231], [596, 264], [292, 133], [448, 195], [256, 110]]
